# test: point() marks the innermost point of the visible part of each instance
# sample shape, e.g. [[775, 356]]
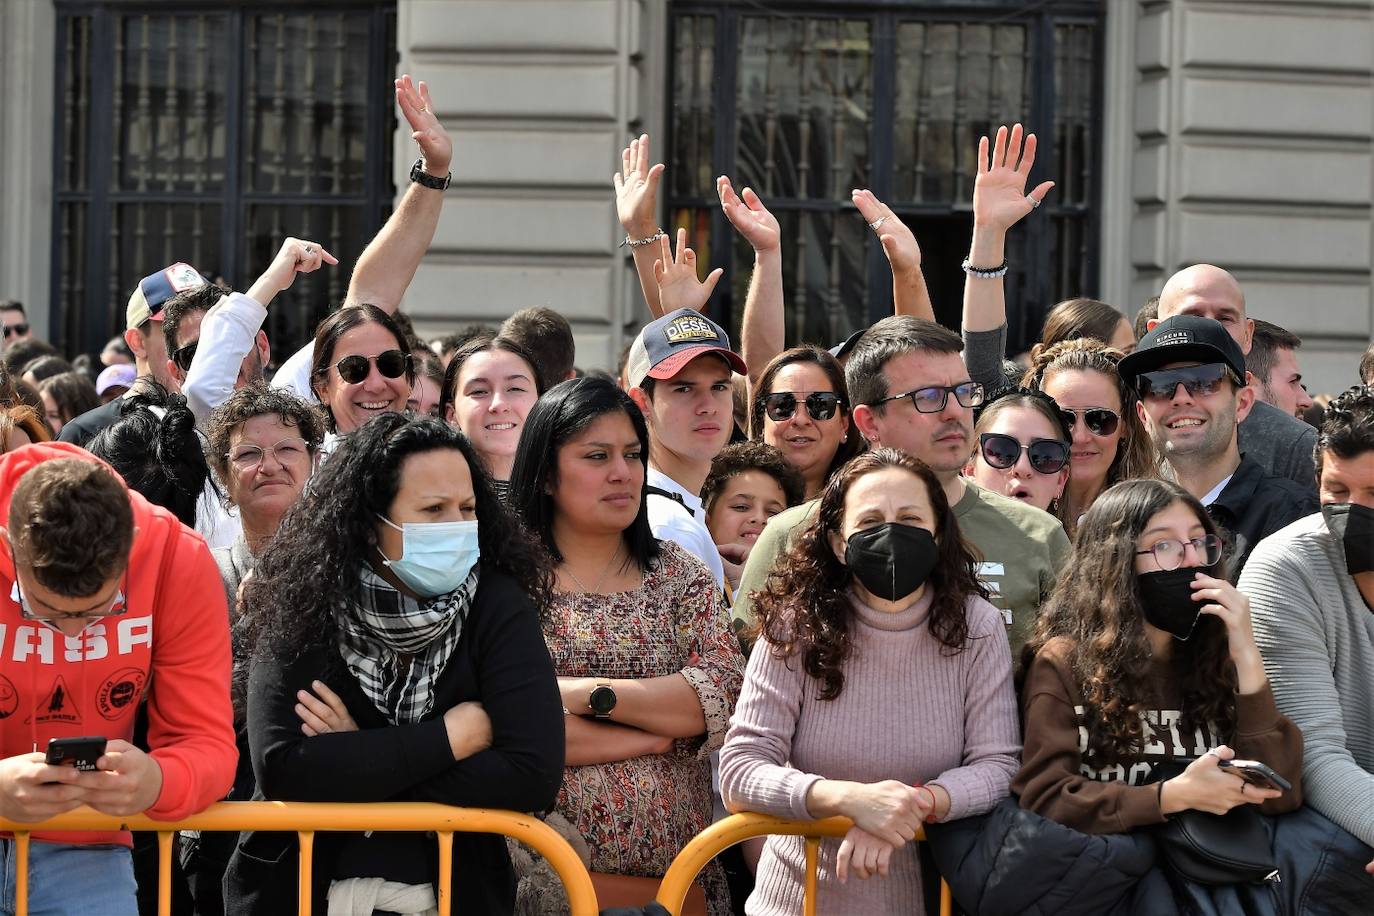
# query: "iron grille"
[[804, 101], [207, 132]]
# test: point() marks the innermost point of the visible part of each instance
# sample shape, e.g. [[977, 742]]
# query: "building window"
[[805, 101], [208, 133]]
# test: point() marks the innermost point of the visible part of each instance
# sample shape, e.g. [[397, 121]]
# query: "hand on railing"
[[749, 216], [323, 711], [33, 790], [296, 256], [436, 146], [999, 192], [678, 286], [469, 729], [869, 855]]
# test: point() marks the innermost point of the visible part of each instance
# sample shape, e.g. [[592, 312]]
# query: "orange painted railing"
[[307, 818], [725, 833]]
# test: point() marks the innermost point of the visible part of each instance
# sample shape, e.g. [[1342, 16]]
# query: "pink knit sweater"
[[909, 711]]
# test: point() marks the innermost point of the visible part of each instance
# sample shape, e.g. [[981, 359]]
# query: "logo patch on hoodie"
[[9, 697], [56, 706], [120, 693]]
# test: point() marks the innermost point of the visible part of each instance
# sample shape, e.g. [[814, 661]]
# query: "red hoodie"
[[171, 646]]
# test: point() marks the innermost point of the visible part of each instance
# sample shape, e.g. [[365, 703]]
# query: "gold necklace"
[[567, 568]]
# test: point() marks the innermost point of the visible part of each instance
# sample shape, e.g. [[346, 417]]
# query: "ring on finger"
[[1035, 204], [877, 223], [309, 249]]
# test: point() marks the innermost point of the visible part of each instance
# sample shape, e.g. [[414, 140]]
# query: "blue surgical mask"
[[436, 557]]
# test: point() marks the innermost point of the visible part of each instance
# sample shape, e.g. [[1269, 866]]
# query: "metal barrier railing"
[[305, 819], [737, 828]]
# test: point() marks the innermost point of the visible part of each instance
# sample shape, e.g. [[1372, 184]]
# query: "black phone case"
[[81, 753]]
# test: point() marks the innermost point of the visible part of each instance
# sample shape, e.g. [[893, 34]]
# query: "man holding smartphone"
[[105, 601]]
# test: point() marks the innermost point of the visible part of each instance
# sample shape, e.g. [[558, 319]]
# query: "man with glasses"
[[911, 391], [1278, 442], [105, 601], [15, 321], [1189, 374], [1311, 590], [680, 371]]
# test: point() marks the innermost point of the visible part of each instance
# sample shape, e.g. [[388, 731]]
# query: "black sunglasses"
[[1099, 420], [390, 363], [184, 355], [1047, 456], [12, 330], [781, 405], [1196, 380]]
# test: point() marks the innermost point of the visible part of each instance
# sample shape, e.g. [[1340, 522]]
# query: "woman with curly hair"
[[801, 407], [1110, 443], [1143, 662], [880, 690], [401, 583], [648, 666]]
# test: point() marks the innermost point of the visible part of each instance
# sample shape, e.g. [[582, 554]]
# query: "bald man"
[[1281, 444]]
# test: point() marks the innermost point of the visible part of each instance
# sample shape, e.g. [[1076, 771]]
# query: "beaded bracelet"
[[640, 243], [985, 273]]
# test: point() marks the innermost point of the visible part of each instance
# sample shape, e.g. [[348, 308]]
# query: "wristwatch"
[[424, 179], [602, 700]]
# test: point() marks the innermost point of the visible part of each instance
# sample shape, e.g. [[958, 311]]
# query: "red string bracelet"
[[930, 818]]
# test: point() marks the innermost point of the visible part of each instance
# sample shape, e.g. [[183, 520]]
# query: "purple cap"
[[117, 376]]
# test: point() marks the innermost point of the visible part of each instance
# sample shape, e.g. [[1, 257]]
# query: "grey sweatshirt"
[[1317, 638]]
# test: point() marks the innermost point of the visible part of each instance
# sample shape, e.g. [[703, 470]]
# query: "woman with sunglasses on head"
[[403, 584], [1109, 442], [1022, 449], [489, 387], [362, 368], [648, 665], [880, 691], [1143, 666], [801, 407]]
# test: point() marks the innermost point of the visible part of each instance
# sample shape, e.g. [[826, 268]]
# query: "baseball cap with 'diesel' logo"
[[155, 289], [666, 345]]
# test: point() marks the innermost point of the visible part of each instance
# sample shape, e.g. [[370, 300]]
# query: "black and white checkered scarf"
[[397, 646]]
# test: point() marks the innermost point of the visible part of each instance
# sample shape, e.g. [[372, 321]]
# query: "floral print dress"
[[637, 814]]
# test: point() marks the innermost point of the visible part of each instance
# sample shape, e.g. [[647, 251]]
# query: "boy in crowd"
[[680, 371], [1190, 376], [1311, 588]]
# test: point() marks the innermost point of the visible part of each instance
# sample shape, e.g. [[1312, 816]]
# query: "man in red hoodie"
[[105, 601]]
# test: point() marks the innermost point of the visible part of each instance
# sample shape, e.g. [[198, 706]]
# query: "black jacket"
[[1253, 505], [501, 660], [1013, 861]]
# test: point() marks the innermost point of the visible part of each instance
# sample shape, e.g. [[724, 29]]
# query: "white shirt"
[[294, 374], [1212, 494], [228, 333], [683, 522]]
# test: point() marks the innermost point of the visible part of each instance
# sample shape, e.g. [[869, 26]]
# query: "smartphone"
[[81, 753], [1257, 774]]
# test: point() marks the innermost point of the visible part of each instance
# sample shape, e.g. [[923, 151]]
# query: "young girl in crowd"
[[489, 387], [801, 407], [750, 482], [1110, 443], [1077, 318], [648, 666], [65, 396], [1144, 659], [361, 368], [1022, 449], [402, 584], [880, 690], [429, 381]]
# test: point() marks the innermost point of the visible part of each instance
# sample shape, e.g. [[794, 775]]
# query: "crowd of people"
[[1097, 619]]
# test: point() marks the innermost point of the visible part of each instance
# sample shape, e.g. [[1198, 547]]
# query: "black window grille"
[[207, 132], [805, 101]]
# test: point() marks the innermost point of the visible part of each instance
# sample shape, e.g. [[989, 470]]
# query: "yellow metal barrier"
[[307, 818], [737, 828]]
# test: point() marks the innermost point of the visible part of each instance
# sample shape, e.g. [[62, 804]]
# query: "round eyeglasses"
[[1169, 554]]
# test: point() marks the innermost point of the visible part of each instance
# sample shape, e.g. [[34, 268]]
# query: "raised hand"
[[750, 217], [436, 147], [678, 286], [636, 189], [899, 243], [321, 711], [999, 192], [296, 256]]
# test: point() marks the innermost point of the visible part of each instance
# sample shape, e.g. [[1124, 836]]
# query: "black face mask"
[[1166, 597], [1354, 525], [891, 560]]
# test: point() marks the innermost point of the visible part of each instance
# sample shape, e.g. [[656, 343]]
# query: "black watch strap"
[[424, 179]]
